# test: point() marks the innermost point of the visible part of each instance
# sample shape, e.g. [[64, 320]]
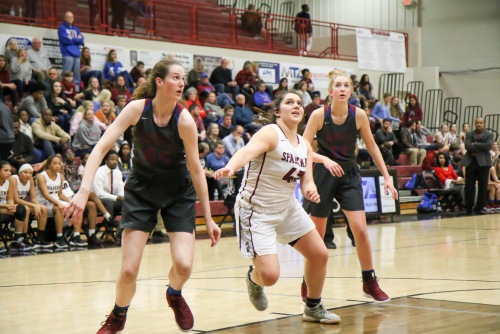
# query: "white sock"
[[107, 216], [91, 231], [59, 234], [75, 234]]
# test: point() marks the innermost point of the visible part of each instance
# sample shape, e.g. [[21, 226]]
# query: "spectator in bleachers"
[[442, 136], [70, 40], [6, 86], [78, 117], [22, 151], [212, 136], [192, 98], [417, 155], [49, 136], [494, 188], [213, 110], [413, 110], [282, 85], [387, 143], [118, 10], [125, 161], [382, 110], [87, 135], [303, 93], [420, 138], [465, 130], [70, 170], [105, 114], [113, 68], [121, 102], [251, 20], [194, 110], [397, 112], [24, 120], [234, 141], [81, 168], [365, 93], [119, 89], [60, 106], [222, 79], [261, 98], [68, 88], [35, 103], [52, 76], [39, 60], [11, 49], [30, 13], [204, 87], [86, 70], [213, 162], [137, 71], [226, 127], [91, 92], [316, 104], [353, 98], [477, 163], [365, 79], [452, 135], [455, 158], [446, 174], [243, 115], [495, 151], [7, 135], [21, 72], [193, 79], [306, 77], [430, 161], [247, 76], [303, 28]]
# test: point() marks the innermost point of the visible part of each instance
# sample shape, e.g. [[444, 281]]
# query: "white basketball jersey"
[[4, 189], [270, 179], [53, 187], [22, 190]]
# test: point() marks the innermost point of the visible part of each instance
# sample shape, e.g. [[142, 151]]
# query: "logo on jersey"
[[289, 157]]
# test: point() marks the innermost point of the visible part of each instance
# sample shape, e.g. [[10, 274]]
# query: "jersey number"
[[289, 178]]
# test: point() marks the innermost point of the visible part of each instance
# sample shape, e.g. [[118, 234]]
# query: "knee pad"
[[20, 212]]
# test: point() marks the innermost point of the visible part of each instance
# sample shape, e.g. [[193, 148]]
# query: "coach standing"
[[70, 40], [477, 162]]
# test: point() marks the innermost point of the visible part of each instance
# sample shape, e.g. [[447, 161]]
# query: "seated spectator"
[[251, 20], [234, 141], [315, 104], [194, 109], [222, 79], [226, 127], [78, 117], [69, 88], [243, 115], [420, 138], [6, 86], [113, 68], [25, 194], [213, 110], [49, 136], [81, 168], [417, 155], [21, 72], [192, 98], [61, 107], [70, 170], [35, 102], [446, 175], [397, 112], [247, 78], [365, 93], [87, 135], [52, 76], [261, 98], [306, 77], [7, 136], [387, 143], [119, 89], [205, 87], [455, 158], [494, 188], [495, 151], [86, 70], [282, 86], [212, 136], [382, 111], [106, 115], [24, 121], [413, 111], [430, 161], [303, 93], [442, 135], [452, 135], [125, 161], [22, 151], [91, 92], [193, 79], [137, 71], [461, 138], [18, 211], [39, 60], [353, 99], [213, 162], [11, 49]]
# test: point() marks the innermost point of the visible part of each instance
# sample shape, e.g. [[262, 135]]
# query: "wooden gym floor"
[[443, 276]]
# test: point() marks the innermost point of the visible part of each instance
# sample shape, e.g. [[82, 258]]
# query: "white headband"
[[24, 167]]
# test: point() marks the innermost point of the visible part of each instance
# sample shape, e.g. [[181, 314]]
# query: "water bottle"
[[20, 11], [439, 207], [12, 11]]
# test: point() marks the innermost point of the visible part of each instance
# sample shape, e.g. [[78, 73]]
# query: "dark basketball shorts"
[[346, 190], [174, 198]]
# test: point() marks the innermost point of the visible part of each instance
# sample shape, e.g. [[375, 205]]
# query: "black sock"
[[120, 312], [25, 236], [368, 274], [311, 302], [41, 235], [17, 236]]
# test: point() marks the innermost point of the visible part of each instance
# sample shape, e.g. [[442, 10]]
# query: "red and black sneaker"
[[303, 291], [183, 316], [112, 325], [371, 289]]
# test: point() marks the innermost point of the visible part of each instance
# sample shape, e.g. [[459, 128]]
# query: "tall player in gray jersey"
[[266, 210], [165, 146], [337, 174]]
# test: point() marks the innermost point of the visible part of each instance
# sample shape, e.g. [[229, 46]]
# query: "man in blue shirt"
[[70, 40], [234, 141], [215, 161]]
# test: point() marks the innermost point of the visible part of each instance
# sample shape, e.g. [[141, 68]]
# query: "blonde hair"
[[82, 109], [332, 75], [104, 95]]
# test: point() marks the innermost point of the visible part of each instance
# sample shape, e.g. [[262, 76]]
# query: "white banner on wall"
[[381, 50]]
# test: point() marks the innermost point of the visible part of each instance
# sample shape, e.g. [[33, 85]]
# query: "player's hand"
[[220, 173], [76, 207], [389, 189], [38, 211], [334, 168], [213, 231], [312, 195]]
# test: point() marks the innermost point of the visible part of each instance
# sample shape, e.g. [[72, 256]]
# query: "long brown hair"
[[83, 60], [148, 88]]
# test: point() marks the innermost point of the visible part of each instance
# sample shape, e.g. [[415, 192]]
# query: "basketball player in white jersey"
[[266, 210], [25, 194]]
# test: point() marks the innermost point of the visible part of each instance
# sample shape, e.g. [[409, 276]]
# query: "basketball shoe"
[[319, 314], [183, 316], [256, 293], [112, 325], [371, 289]]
